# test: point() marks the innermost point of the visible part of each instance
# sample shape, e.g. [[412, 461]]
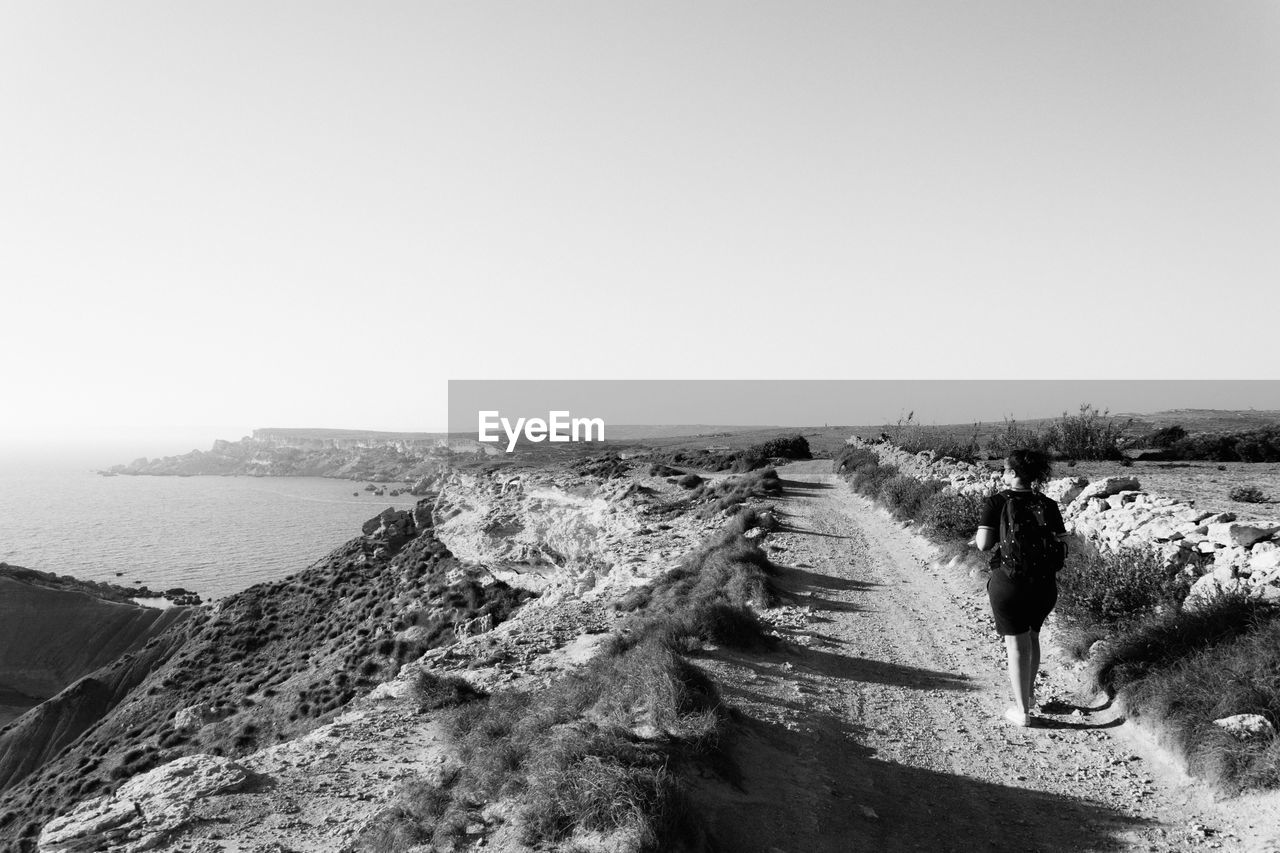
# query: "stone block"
[[1240, 533]]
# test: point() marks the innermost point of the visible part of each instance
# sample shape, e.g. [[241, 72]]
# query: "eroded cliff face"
[[51, 637], [591, 530], [41, 733]]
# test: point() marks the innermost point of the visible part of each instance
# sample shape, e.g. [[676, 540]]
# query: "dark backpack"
[[1028, 548]]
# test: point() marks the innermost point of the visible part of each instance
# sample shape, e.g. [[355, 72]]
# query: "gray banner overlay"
[[560, 406]]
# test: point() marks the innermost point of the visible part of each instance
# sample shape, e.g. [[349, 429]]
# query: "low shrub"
[[719, 622], [907, 496], [709, 596], [595, 752], [1190, 668], [950, 515], [1014, 437], [791, 447], [1108, 587], [914, 437], [1247, 494], [1259, 445], [946, 516], [730, 492], [433, 691], [870, 480], [689, 481], [852, 458], [1091, 434]]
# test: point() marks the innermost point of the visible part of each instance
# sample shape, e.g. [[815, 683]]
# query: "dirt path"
[[879, 726]]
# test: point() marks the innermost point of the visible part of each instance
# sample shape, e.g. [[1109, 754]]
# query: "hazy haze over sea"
[[213, 535]]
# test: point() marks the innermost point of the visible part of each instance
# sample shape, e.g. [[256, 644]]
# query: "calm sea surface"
[[213, 535]]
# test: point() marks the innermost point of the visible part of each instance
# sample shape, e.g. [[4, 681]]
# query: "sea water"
[[212, 535]]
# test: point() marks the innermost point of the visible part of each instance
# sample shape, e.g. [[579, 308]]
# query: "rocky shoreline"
[[178, 596]]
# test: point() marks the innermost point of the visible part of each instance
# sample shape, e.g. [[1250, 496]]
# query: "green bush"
[[1247, 494], [1109, 587]]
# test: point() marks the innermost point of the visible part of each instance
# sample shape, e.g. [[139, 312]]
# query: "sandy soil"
[[878, 725]]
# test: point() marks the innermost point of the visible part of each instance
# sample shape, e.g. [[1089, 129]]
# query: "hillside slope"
[[263, 666], [51, 637]]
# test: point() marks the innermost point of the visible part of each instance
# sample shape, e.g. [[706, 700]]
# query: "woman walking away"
[[1026, 529]]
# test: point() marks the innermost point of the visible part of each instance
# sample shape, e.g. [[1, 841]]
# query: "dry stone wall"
[[1115, 513]]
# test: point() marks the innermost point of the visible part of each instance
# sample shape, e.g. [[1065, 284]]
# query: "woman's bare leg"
[[1032, 670], [1018, 647]]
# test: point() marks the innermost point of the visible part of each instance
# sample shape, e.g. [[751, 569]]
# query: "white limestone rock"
[[195, 717], [1161, 531], [1240, 533], [1224, 572], [1264, 566], [1209, 588], [1247, 726], [145, 810], [1106, 487], [1065, 489]]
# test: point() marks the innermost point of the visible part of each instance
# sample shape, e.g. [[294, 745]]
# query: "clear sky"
[[247, 214]]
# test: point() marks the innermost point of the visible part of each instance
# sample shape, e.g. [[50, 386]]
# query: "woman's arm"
[[986, 538]]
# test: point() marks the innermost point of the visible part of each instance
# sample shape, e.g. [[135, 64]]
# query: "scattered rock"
[[1065, 489], [194, 718], [1247, 726]]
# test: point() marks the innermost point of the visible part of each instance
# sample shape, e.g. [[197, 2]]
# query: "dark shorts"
[[1020, 606]]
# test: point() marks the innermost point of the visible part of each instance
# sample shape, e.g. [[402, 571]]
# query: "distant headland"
[[407, 457]]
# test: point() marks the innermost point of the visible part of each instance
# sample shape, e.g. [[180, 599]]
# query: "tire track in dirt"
[[878, 725]]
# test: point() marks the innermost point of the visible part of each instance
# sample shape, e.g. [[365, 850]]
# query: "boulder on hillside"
[[422, 517], [393, 526], [196, 717]]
